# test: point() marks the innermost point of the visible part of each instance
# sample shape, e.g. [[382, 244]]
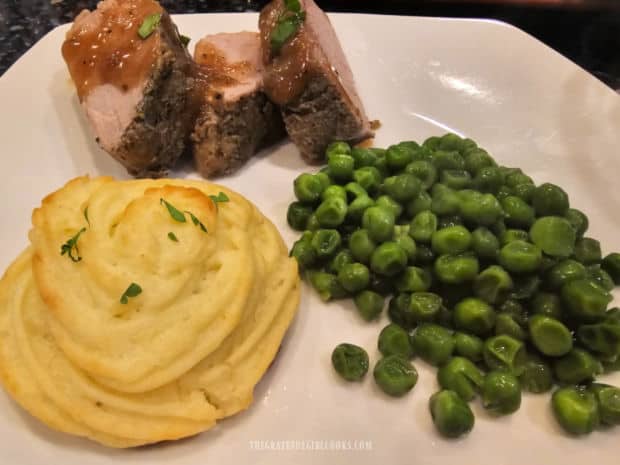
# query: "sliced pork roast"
[[236, 118], [134, 80], [310, 78]]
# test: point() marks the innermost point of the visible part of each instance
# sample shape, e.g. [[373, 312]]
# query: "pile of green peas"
[[489, 277]]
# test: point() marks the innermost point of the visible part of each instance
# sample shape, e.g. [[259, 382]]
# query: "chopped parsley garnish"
[[172, 237], [221, 197], [86, 215], [149, 24], [70, 247], [287, 25], [196, 221], [133, 290], [185, 40], [176, 214]]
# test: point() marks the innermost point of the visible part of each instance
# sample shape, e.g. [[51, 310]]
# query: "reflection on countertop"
[[586, 31]]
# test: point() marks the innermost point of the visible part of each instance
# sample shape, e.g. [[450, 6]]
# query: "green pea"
[[578, 220], [501, 393], [406, 243], [445, 201], [537, 376], [520, 257], [323, 177], [381, 165], [518, 213], [361, 245], [563, 272], [350, 361], [451, 141], [433, 343], [493, 284], [611, 264], [400, 312], [334, 191], [588, 251], [505, 353], [354, 277], [448, 160], [488, 179], [524, 191], [549, 199], [343, 257], [432, 143], [481, 209], [424, 170], [308, 188], [424, 307], [337, 147], [424, 254], [326, 242], [369, 177], [511, 235], [398, 156], [456, 269], [394, 340], [503, 193], [451, 415], [388, 259], [506, 324], [474, 316], [484, 244], [297, 215], [498, 228], [586, 300], [326, 285], [313, 223], [608, 399], [515, 179], [369, 304], [402, 187], [418, 204], [550, 336], [576, 410], [578, 366], [331, 212], [379, 222], [525, 286], [601, 338], [545, 303], [423, 226], [413, 279], [388, 203], [354, 190], [600, 276], [477, 159], [358, 206], [395, 375], [363, 157], [456, 179], [461, 376], [451, 240], [554, 235], [304, 252], [468, 346]]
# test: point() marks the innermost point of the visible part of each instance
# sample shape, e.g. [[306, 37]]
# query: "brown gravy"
[[112, 52], [286, 73], [215, 70]]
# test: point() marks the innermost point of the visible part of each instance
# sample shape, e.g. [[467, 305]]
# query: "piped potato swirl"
[[217, 292]]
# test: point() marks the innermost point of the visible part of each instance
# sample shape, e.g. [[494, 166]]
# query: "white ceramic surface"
[[526, 104]]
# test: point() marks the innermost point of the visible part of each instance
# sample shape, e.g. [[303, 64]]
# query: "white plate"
[[420, 76]]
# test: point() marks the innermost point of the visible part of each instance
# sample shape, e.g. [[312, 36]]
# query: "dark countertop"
[[586, 31]]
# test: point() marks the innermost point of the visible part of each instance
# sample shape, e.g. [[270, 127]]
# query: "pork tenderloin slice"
[[312, 81], [136, 92], [236, 118]]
